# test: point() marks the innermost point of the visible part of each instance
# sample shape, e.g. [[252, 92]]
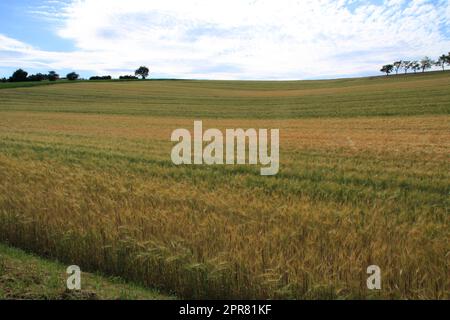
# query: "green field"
[[24, 276], [86, 178], [380, 96]]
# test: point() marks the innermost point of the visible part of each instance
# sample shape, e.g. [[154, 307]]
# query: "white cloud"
[[243, 39]]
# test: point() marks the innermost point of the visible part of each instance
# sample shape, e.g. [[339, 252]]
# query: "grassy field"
[[24, 276], [86, 177], [380, 96]]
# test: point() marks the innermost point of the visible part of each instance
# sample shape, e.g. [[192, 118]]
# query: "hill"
[[86, 178], [378, 96]]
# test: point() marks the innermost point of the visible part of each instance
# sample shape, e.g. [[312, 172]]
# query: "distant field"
[[86, 177], [379, 96], [26, 84]]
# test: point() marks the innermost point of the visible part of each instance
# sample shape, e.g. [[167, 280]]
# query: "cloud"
[[242, 39]]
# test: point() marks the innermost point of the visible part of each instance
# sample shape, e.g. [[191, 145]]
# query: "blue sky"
[[211, 39]]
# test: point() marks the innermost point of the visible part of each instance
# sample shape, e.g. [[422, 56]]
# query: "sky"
[[226, 39]]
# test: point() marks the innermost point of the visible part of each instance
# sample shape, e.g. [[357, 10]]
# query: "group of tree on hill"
[[100, 78], [21, 75], [425, 64], [128, 78]]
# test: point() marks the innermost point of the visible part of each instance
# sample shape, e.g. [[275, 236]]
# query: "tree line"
[[425, 64], [21, 75]]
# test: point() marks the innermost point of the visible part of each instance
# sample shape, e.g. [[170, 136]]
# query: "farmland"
[[86, 178], [26, 276]]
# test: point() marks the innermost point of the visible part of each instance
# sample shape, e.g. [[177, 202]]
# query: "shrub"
[[100, 78], [72, 76], [37, 77], [128, 77], [53, 76]]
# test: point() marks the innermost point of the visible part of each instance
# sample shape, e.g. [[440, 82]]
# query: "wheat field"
[[86, 178]]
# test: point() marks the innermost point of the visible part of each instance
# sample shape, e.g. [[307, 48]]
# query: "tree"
[[387, 69], [443, 60], [142, 72], [37, 77], [426, 64], [397, 65], [100, 78], [406, 65], [128, 77], [18, 76], [72, 76], [415, 65], [53, 76]]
